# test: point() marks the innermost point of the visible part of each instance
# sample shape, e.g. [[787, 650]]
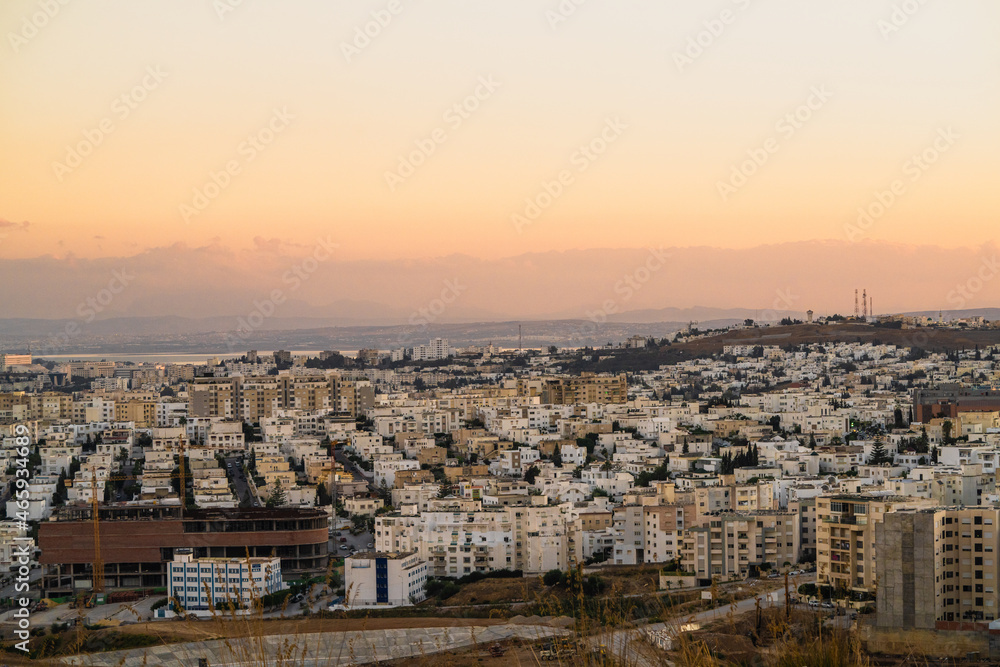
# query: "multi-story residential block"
[[738, 545], [938, 567], [199, 584], [585, 388], [452, 544], [436, 348], [845, 537], [392, 579], [663, 526]]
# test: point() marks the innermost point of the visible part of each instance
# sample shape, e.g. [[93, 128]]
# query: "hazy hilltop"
[[621, 285]]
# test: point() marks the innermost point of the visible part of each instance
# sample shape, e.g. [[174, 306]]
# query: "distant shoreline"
[[170, 357]]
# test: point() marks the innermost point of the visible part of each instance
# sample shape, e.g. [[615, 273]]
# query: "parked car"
[[343, 547], [371, 545], [813, 603]]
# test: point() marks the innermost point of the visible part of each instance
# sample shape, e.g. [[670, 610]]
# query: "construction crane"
[[98, 582], [98, 560], [183, 489]]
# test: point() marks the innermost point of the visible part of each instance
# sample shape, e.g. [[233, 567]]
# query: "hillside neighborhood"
[[865, 471]]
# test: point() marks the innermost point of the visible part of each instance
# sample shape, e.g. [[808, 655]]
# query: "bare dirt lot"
[[177, 631], [621, 580]]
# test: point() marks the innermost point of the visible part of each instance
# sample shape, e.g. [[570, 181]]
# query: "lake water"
[[171, 357]]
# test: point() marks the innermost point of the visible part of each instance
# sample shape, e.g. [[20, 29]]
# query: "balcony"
[[852, 519]]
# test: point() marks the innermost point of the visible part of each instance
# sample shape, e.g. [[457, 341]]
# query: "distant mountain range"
[[175, 325], [205, 286], [220, 333]]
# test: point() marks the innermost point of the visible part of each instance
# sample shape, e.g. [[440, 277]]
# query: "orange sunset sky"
[[238, 127]]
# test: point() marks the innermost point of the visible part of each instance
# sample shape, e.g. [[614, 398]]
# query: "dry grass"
[[605, 630]]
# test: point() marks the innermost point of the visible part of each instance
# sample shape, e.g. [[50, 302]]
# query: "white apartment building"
[[379, 579], [198, 583], [225, 437], [386, 468], [436, 348]]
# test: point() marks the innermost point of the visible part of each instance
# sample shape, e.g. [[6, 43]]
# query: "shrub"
[[552, 577], [449, 589], [433, 586], [276, 598]]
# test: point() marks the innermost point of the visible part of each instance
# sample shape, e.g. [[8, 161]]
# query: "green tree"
[[323, 497], [879, 455], [946, 429], [277, 497], [557, 457], [530, 474]]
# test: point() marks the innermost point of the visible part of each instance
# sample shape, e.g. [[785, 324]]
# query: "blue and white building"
[[199, 583], [376, 579]]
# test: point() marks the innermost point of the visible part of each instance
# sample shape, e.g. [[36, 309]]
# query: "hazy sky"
[[727, 123]]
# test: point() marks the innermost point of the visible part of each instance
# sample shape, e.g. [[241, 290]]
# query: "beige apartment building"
[[213, 397], [587, 388], [938, 566], [845, 537], [663, 528], [257, 398], [738, 545], [143, 413], [363, 506]]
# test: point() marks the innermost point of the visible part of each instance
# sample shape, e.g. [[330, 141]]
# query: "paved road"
[[340, 457], [243, 492], [121, 611], [320, 649], [9, 592], [358, 542]]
